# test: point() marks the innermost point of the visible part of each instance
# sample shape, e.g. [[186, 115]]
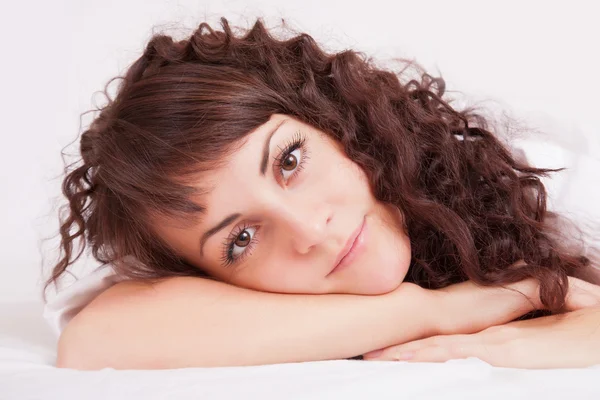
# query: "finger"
[[438, 354], [427, 354], [389, 354], [408, 351], [460, 350], [492, 354], [394, 352]]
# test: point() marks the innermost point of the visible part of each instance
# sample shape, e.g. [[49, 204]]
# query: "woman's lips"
[[354, 245]]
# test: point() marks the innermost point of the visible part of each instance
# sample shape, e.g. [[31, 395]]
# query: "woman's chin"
[[381, 280]]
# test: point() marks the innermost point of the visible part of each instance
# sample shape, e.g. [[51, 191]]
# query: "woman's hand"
[[570, 340], [565, 340]]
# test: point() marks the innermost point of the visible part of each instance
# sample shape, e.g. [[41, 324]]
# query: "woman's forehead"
[[236, 177]]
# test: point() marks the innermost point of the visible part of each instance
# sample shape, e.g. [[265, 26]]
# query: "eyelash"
[[298, 141], [228, 259]]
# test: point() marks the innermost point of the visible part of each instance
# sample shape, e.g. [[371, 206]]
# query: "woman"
[[251, 191]]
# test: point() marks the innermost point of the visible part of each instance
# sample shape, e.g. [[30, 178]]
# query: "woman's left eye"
[[290, 164], [291, 159]]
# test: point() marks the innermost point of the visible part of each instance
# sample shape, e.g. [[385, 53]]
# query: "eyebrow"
[[265, 157], [232, 217], [226, 221]]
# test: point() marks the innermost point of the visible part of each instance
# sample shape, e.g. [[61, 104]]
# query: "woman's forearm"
[[193, 322]]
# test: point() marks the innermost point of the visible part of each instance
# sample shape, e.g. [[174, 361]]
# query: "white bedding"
[[26, 373]]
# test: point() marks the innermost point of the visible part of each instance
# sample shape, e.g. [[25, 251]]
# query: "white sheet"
[[460, 379], [27, 356], [24, 376]]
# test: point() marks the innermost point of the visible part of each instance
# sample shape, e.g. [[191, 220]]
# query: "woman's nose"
[[308, 229]]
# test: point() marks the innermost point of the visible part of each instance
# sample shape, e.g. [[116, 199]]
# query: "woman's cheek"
[[264, 272], [391, 255]]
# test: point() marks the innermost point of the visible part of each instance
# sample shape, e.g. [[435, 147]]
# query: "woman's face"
[[284, 210]]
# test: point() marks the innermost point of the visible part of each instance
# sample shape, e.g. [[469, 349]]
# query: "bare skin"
[[569, 340], [194, 322]]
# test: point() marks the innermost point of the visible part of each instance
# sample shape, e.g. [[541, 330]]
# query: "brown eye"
[[243, 239], [290, 163], [241, 243]]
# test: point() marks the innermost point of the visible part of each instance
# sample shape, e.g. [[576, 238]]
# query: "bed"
[[27, 355]]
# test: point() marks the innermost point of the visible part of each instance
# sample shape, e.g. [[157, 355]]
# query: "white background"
[[537, 59]]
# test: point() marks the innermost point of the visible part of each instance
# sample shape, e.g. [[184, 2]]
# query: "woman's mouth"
[[353, 247]]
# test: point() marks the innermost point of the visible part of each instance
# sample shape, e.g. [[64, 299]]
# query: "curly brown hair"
[[471, 208]]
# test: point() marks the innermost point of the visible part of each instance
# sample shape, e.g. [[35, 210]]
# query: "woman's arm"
[[569, 340], [194, 322]]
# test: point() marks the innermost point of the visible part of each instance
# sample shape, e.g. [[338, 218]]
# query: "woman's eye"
[[238, 246], [290, 163]]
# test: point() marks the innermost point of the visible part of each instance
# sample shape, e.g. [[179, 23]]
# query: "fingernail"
[[406, 356], [373, 354]]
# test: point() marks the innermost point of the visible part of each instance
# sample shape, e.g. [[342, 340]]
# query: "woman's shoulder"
[[130, 314], [126, 299], [164, 290], [72, 294]]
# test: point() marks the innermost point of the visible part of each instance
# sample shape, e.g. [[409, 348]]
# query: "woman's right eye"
[[239, 244], [242, 241]]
